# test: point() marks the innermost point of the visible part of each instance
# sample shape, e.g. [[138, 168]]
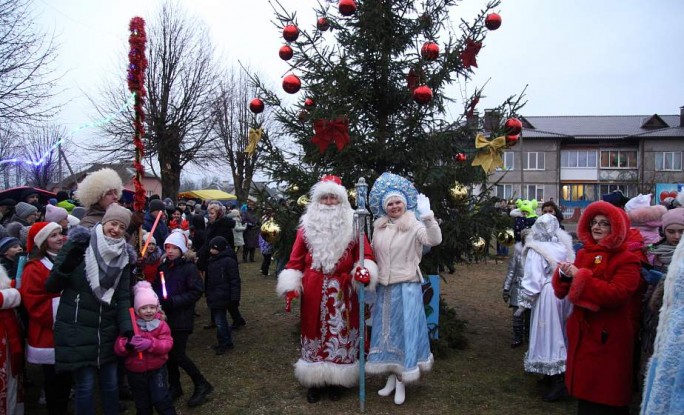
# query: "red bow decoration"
[[470, 52], [331, 131], [473, 103]]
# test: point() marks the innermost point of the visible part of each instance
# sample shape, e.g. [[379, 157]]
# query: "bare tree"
[[40, 150], [8, 154], [181, 83], [26, 80]]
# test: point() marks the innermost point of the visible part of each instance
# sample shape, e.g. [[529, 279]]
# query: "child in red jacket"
[[146, 354]]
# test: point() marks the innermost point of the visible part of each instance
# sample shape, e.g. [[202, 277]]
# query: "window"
[[629, 190], [508, 160], [504, 191], [615, 159], [578, 158], [579, 192], [533, 191], [668, 160], [533, 161]]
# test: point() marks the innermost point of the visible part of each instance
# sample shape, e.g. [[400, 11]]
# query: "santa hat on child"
[[39, 233], [144, 295]]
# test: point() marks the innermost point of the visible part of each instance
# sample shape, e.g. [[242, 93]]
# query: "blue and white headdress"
[[388, 185]]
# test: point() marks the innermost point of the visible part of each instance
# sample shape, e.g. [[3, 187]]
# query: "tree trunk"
[[169, 162]]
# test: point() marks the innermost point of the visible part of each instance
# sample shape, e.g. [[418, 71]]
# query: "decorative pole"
[[360, 217], [136, 84]]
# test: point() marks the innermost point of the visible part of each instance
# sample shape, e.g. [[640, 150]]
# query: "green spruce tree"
[[364, 71]]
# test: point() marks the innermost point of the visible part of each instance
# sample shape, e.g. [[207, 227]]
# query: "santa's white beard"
[[328, 230]]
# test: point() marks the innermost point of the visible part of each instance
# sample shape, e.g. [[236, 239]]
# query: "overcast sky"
[[579, 57]]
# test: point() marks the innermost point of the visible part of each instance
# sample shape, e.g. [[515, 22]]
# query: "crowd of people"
[[103, 298], [604, 327]]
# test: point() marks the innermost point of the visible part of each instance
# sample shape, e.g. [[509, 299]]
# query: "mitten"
[[519, 312], [362, 275], [73, 258], [289, 296], [506, 296], [129, 335], [140, 343], [422, 205]]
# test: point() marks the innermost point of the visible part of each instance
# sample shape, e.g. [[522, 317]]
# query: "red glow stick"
[[149, 235], [164, 293], [136, 329]]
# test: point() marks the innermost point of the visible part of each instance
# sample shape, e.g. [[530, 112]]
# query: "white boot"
[[399, 393], [389, 386]]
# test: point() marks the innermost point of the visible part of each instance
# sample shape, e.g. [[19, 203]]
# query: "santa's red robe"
[[329, 314]]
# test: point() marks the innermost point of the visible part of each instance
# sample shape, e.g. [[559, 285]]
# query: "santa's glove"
[[289, 296], [422, 205], [519, 312], [140, 343], [362, 275], [73, 258], [506, 295]]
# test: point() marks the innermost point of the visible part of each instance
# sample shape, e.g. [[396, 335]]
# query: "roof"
[[207, 194], [603, 126]]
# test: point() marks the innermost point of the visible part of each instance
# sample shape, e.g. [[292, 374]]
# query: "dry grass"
[[257, 378]]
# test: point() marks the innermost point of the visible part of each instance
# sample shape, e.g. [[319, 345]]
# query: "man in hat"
[[615, 198], [6, 210], [323, 259]]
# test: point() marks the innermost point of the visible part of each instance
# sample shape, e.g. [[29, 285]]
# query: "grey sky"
[[589, 57]]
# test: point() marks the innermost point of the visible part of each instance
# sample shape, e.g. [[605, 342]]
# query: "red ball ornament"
[[460, 157], [513, 126], [430, 51], [422, 94], [256, 105], [322, 24], [291, 84], [285, 53], [512, 140], [347, 7], [309, 103], [492, 21], [290, 33]]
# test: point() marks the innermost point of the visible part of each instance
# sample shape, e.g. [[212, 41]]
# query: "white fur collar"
[[403, 223]]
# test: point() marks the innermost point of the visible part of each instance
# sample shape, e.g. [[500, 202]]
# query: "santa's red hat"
[[39, 233], [329, 185]]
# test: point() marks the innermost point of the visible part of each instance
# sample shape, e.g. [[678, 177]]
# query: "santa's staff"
[[360, 216]]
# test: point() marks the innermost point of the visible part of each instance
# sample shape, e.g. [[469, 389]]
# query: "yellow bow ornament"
[[254, 136], [489, 157]]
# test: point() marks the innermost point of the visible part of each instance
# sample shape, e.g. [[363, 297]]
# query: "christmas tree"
[[369, 79]]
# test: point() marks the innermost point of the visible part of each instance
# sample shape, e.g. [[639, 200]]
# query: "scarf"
[[105, 259], [663, 252], [148, 325]]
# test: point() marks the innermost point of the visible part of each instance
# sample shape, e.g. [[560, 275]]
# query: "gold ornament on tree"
[[293, 188], [351, 193], [270, 231], [506, 237], [458, 192], [478, 245], [303, 201], [253, 136]]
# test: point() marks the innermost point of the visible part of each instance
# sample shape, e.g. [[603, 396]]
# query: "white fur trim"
[[374, 273], [5, 281], [10, 298], [318, 374], [407, 376], [324, 188], [40, 355], [96, 184], [43, 234], [289, 280]]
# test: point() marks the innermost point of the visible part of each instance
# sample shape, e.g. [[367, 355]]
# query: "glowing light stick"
[[149, 235], [136, 329], [164, 293]]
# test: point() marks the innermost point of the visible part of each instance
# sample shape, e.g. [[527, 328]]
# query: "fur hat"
[[96, 184], [7, 242], [156, 205], [144, 295], [55, 214], [118, 213], [619, 225], [218, 243], [23, 210], [39, 233], [329, 185], [177, 239], [673, 217]]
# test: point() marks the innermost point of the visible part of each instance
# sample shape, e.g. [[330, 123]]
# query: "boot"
[[518, 331], [557, 390], [313, 395], [399, 393], [334, 393], [389, 386], [175, 391], [200, 395]]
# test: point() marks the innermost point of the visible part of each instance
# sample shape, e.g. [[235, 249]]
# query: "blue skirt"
[[399, 340]]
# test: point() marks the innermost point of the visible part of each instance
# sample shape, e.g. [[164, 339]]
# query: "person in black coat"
[[219, 225], [198, 232], [222, 287], [178, 293]]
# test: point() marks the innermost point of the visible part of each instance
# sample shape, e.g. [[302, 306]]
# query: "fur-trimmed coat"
[[601, 329]]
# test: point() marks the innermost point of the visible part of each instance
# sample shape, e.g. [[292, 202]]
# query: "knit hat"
[[73, 220], [8, 202], [55, 214], [96, 184], [144, 295], [156, 205], [673, 217], [191, 203], [79, 212], [118, 213], [39, 233], [218, 243], [177, 239], [23, 210], [8, 242]]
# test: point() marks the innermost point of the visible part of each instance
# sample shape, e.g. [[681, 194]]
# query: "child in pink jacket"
[[146, 354]]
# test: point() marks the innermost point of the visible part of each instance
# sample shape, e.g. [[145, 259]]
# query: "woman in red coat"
[[601, 285]]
